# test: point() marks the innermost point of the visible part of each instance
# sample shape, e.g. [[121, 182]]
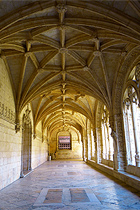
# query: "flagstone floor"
[[68, 185]]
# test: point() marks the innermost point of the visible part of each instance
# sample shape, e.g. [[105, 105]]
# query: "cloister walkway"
[[68, 185]]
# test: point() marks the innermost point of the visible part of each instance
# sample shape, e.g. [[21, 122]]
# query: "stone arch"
[[131, 116], [131, 60], [122, 75]]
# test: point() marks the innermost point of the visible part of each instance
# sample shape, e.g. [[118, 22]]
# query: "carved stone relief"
[[7, 114], [26, 117]]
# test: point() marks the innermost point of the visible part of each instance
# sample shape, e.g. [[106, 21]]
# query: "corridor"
[[68, 185]]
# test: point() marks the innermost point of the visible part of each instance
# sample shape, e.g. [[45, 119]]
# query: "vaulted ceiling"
[[63, 56]]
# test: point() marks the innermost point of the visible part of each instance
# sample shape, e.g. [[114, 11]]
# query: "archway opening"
[[26, 148]]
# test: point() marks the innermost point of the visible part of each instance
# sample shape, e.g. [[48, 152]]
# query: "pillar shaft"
[[120, 151]]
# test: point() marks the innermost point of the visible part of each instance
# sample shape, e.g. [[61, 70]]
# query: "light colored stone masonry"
[[10, 141], [10, 155], [39, 152]]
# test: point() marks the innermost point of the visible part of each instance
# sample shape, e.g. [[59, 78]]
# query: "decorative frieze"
[[7, 114]]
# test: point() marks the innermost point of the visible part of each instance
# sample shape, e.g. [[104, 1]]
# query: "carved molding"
[[7, 114]]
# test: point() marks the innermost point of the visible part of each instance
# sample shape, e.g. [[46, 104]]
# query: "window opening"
[[107, 139], [131, 115], [64, 142]]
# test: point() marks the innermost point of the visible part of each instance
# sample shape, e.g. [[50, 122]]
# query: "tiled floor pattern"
[[68, 185], [78, 195], [53, 196], [66, 197]]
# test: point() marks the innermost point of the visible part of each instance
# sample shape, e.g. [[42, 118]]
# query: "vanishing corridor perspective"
[[70, 88]]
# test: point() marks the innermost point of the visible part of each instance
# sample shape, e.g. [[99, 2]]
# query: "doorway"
[[26, 146]]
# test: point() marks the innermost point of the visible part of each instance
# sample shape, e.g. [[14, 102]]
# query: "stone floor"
[[68, 185]]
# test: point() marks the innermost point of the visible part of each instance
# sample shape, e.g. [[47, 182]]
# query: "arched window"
[[131, 114], [107, 140]]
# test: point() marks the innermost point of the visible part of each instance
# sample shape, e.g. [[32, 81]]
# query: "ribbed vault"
[[64, 56]]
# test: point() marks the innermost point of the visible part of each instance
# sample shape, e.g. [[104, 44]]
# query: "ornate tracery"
[[107, 139], [131, 114]]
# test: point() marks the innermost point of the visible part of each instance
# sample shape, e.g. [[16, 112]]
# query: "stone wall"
[[10, 154], [39, 148], [10, 141]]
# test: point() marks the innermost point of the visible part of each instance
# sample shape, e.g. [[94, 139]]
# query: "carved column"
[[30, 147], [95, 144], [99, 145], [120, 143], [85, 148], [21, 172], [89, 141], [137, 76], [82, 139], [85, 143], [91, 138], [114, 136]]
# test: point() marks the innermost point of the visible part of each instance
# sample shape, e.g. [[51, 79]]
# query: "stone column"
[[95, 143], [89, 142], [137, 76], [99, 145], [86, 147], [82, 139], [83, 155], [114, 136], [120, 153], [30, 147], [135, 135], [85, 142], [21, 171]]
